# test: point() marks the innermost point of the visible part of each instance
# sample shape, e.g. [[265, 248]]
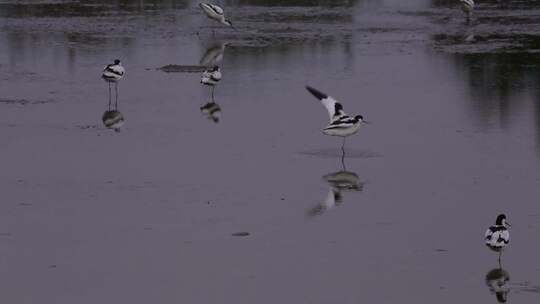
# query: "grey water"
[[175, 205]]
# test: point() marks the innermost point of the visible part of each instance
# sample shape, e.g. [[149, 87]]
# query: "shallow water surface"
[[183, 193]]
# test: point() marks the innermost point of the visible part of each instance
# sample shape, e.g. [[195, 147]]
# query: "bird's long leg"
[[343, 160], [500, 254], [343, 154], [116, 101], [213, 87], [109, 96]]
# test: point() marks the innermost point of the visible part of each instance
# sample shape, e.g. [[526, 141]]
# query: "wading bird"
[[497, 236], [112, 73], [341, 124], [215, 12]]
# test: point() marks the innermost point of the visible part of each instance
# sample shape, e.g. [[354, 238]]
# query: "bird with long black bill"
[[341, 124], [113, 73], [497, 237]]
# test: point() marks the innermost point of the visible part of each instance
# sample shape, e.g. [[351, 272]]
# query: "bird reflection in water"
[[213, 55], [497, 280], [338, 182], [212, 111], [112, 118]]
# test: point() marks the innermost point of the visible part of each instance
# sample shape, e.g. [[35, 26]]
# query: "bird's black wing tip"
[[320, 95]]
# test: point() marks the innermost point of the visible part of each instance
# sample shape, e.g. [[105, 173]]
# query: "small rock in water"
[[240, 233]]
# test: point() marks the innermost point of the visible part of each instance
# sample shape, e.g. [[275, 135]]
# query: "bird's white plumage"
[[214, 12], [212, 9], [113, 72], [497, 237], [330, 104], [211, 76], [342, 126]]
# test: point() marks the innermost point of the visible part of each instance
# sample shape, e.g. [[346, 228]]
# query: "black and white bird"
[[341, 124], [216, 13], [497, 236], [467, 6], [211, 77], [113, 73]]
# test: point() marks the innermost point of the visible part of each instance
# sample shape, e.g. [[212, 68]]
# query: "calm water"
[[147, 214]]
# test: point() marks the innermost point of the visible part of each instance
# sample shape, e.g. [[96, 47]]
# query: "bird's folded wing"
[[341, 122], [115, 69]]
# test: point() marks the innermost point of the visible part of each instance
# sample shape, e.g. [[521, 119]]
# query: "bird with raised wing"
[[341, 124]]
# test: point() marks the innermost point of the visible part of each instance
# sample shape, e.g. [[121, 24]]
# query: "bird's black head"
[[359, 117], [117, 61], [501, 218]]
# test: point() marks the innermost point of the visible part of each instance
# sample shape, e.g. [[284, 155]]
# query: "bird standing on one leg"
[[216, 13], [341, 124], [112, 73], [498, 236], [467, 6]]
